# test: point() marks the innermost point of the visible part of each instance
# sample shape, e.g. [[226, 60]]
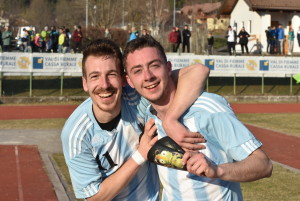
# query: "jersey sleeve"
[[83, 169], [226, 131]]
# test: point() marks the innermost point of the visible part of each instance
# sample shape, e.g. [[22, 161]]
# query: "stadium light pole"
[[86, 14], [174, 12], [123, 15]]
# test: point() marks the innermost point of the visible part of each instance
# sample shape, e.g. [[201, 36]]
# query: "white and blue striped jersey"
[[93, 154], [228, 140]]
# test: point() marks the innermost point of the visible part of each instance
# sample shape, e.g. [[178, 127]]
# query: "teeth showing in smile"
[[105, 95], [151, 86]]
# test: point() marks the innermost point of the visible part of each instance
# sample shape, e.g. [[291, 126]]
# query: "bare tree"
[[103, 12], [40, 13], [70, 12], [157, 13]]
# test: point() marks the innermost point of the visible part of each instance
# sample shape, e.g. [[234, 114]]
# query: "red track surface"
[[36, 112], [63, 111], [23, 176]]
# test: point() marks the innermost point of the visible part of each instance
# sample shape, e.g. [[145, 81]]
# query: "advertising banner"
[[54, 63]]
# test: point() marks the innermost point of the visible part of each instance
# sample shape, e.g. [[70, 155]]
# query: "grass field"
[[72, 86], [282, 186], [277, 122], [285, 123]]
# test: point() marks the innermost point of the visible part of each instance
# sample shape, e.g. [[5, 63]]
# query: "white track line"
[[20, 189]]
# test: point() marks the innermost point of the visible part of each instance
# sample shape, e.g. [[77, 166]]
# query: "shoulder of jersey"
[[81, 112], [212, 103], [76, 128]]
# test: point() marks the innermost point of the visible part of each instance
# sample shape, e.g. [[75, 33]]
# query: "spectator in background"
[[145, 32], [76, 39], [31, 32], [69, 35], [273, 49], [27, 42], [298, 36], [107, 33], [66, 43], [280, 39], [133, 34], [173, 39], [6, 38], [45, 34], [210, 43], [22, 38], [38, 42], [243, 36], [61, 40], [269, 38], [291, 37], [178, 38], [54, 39], [129, 33], [231, 40], [186, 34], [1, 41]]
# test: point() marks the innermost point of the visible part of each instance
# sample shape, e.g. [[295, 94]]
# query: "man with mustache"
[[100, 139]]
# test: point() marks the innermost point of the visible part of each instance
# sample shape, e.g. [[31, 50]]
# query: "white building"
[[257, 15]]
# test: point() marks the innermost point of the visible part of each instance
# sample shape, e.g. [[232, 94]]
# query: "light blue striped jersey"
[[93, 154], [228, 140]]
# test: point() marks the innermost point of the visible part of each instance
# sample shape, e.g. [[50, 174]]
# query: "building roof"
[[275, 4], [201, 9], [261, 5]]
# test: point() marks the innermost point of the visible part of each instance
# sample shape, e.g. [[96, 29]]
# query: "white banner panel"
[[40, 62], [48, 63]]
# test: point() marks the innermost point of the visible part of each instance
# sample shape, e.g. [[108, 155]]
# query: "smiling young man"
[[100, 139], [232, 153]]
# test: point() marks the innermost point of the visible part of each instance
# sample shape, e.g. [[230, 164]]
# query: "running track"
[[23, 176]]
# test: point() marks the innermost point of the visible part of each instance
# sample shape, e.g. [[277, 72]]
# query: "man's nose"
[[104, 82], [148, 75]]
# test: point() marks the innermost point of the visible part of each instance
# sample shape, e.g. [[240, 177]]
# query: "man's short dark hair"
[[100, 48], [142, 42]]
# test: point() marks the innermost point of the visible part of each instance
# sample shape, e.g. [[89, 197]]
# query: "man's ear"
[[84, 84], [129, 81], [169, 67]]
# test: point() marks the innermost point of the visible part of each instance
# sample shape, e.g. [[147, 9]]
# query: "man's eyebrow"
[[98, 72], [149, 63], [93, 72], [155, 60], [136, 66]]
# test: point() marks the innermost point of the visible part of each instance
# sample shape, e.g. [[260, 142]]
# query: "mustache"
[[106, 90]]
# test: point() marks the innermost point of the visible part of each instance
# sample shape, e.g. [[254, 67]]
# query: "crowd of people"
[[275, 39], [63, 40], [176, 37], [60, 40]]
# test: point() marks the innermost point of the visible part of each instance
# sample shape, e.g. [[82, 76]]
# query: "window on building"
[[249, 26]]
